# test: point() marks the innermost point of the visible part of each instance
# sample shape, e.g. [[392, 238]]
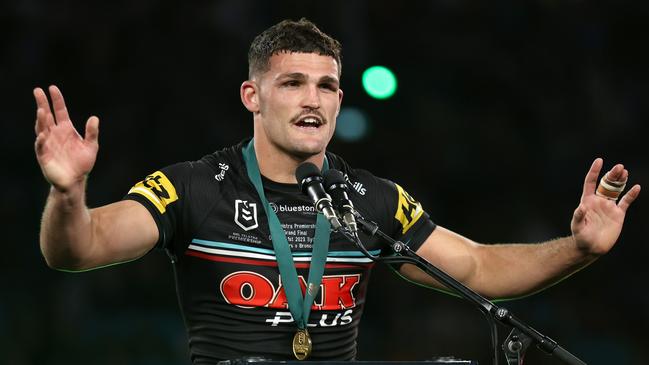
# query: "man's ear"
[[250, 96], [340, 101]]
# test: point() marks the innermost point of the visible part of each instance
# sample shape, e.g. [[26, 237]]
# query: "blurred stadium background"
[[500, 109]]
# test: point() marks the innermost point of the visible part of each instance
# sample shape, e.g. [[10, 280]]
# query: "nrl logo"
[[245, 214]]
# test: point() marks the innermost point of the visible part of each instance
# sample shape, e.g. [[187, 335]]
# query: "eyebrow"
[[302, 77], [329, 80]]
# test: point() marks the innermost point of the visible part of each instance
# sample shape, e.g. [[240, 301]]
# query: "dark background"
[[500, 110]]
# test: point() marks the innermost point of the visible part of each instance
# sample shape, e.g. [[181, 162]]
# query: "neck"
[[280, 166]]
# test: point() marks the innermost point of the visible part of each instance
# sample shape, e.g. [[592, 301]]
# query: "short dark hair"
[[294, 37]]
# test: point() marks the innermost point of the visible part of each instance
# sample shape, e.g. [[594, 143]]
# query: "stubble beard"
[[297, 152]]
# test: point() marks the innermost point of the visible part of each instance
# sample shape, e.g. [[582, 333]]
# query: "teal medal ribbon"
[[300, 307]]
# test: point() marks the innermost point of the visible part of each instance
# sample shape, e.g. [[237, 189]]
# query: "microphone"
[[335, 184], [310, 182]]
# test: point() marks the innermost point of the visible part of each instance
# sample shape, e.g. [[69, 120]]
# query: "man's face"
[[299, 99]]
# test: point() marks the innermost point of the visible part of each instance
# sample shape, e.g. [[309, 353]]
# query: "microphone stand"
[[521, 335]]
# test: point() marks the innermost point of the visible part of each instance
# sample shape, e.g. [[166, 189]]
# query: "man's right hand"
[[74, 237], [64, 156]]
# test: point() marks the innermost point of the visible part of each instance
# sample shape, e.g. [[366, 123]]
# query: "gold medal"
[[302, 344]]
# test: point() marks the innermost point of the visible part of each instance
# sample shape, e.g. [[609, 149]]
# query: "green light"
[[352, 124], [379, 82]]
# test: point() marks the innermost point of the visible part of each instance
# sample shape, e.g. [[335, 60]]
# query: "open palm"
[[63, 155], [597, 221]]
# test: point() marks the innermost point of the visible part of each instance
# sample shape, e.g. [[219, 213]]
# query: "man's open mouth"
[[309, 122]]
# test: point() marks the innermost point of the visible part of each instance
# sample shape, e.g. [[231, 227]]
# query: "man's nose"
[[311, 98]]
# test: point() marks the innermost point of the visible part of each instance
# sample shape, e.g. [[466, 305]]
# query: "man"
[[247, 245]]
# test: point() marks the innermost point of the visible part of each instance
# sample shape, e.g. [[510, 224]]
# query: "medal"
[[302, 344], [299, 306]]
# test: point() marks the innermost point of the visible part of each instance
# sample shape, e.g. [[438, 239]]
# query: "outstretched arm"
[[510, 270], [72, 236]]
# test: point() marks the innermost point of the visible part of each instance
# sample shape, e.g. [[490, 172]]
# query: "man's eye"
[[292, 83], [329, 87]]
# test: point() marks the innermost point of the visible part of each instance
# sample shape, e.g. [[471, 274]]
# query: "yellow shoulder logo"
[[157, 189], [408, 210]]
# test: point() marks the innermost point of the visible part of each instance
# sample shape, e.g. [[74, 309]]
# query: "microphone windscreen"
[[305, 171], [333, 177]]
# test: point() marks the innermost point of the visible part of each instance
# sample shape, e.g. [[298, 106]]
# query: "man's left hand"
[[597, 221]]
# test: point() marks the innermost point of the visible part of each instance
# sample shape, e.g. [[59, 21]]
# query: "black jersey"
[[212, 223]]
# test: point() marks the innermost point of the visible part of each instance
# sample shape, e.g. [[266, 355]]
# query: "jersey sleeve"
[[403, 217], [163, 194]]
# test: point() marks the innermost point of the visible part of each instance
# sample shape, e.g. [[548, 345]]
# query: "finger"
[[43, 106], [92, 130], [58, 104], [625, 175], [616, 173], [44, 121], [590, 182], [41, 99], [629, 197]]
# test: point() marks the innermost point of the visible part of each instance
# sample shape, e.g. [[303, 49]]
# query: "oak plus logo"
[[247, 289], [245, 214]]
